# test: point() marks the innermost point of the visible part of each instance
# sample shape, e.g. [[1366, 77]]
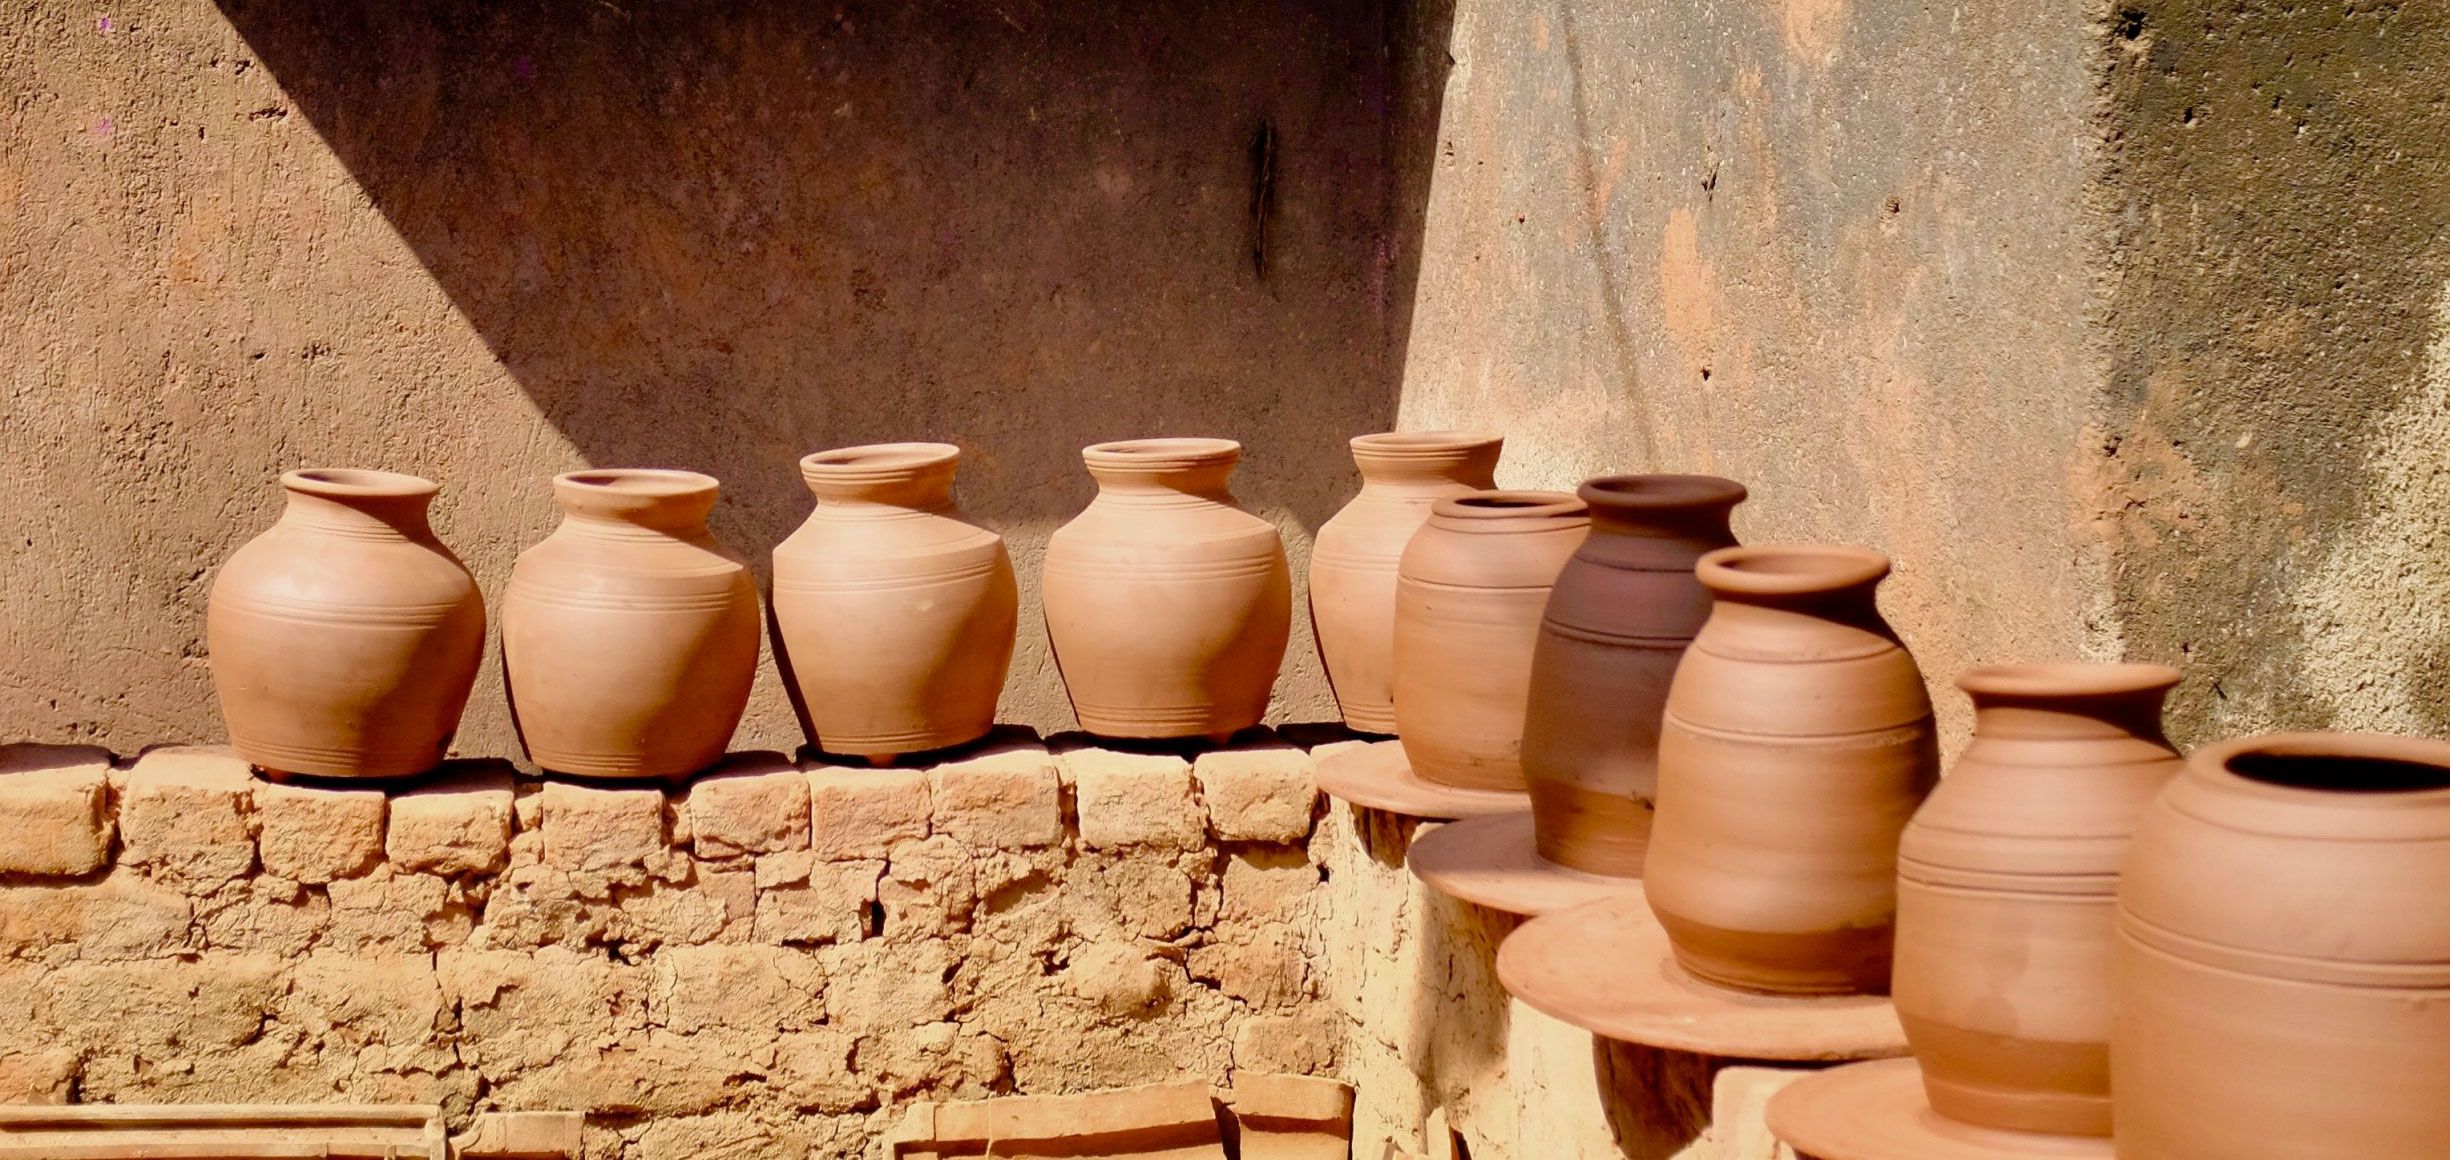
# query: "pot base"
[[1607, 968], [1878, 1111], [1492, 861], [1378, 776]]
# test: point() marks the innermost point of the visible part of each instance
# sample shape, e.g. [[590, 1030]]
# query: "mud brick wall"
[[766, 962]]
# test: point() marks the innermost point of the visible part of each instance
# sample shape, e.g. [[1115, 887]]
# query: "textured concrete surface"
[[487, 244]]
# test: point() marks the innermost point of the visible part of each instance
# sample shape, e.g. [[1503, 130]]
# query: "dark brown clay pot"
[[629, 636], [1467, 614], [2006, 887], [345, 638], [1353, 561], [2283, 962], [1168, 605], [895, 615], [1618, 620], [1797, 742]]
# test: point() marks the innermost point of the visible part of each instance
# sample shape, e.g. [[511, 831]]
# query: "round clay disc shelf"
[[1492, 861], [1878, 1111], [1377, 775], [1607, 968]]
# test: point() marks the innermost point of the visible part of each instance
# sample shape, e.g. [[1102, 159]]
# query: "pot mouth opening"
[[1425, 442], [1144, 457], [1646, 492], [1509, 505], [644, 482], [1790, 569], [879, 458], [2341, 763], [347, 482], [2068, 679]]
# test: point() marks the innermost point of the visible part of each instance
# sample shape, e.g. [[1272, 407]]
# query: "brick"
[[859, 814], [184, 813], [829, 904], [751, 804], [1296, 1044], [742, 988], [315, 834], [121, 917], [55, 810], [600, 829], [1258, 795], [1008, 800], [460, 824], [1135, 799]]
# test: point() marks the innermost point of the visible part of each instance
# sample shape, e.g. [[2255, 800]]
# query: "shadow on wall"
[[718, 237]]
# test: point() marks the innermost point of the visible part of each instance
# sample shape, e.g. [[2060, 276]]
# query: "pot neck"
[[1814, 582], [381, 505], [1162, 468], [1641, 521], [1504, 512], [626, 499], [883, 479], [1427, 461], [2069, 702]]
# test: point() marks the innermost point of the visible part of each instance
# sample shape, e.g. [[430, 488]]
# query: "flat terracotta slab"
[[1491, 861], [1606, 967], [1377, 775], [1877, 1111]]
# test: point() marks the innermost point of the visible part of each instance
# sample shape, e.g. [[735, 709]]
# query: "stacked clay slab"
[[2283, 956], [1617, 621], [1168, 605], [1469, 594], [629, 636], [344, 639], [2007, 880], [893, 615], [1353, 561], [1797, 743]]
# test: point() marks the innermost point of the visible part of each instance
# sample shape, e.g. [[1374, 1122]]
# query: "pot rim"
[[1162, 453], [1509, 504], [2068, 679], [1660, 492], [640, 482], [1406, 444], [877, 461], [2220, 761], [358, 483], [1790, 569]]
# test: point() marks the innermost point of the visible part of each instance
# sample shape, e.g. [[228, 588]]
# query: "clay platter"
[[1492, 861], [1877, 1111], [1378, 776], [1607, 968]]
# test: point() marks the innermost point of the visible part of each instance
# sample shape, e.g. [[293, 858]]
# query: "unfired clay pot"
[[2283, 962], [1352, 563], [1798, 740], [2006, 885], [1168, 605], [895, 616], [1618, 620], [344, 639], [629, 636], [1468, 597]]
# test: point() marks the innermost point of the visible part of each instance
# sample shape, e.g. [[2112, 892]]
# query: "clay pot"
[[1797, 742], [1353, 560], [2006, 887], [2283, 961], [894, 616], [344, 639], [1618, 620], [1468, 597], [1168, 605], [629, 636]]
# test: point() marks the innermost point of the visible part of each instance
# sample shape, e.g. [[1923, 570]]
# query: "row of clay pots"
[[345, 640]]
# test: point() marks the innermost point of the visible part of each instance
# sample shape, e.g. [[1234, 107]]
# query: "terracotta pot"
[[344, 639], [2006, 888], [1797, 742], [1353, 560], [894, 616], [629, 635], [1618, 620], [2283, 963], [1168, 605], [1468, 598]]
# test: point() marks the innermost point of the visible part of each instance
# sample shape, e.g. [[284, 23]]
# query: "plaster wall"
[[489, 244]]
